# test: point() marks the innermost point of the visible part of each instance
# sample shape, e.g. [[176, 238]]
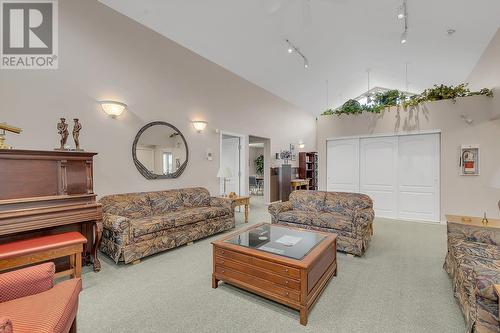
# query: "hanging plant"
[[398, 98]]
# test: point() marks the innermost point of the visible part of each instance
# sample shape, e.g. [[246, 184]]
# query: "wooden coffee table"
[[278, 268]]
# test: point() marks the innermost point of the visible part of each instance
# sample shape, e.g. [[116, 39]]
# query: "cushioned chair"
[[137, 225], [349, 215], [30, 302]]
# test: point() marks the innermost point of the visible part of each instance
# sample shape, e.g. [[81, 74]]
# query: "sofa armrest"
[[26, 281], [278, 207], [5, 325], [364, 217], [115, 222], [222, 202]]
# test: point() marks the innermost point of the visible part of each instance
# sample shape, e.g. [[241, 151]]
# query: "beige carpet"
[[398, 286]]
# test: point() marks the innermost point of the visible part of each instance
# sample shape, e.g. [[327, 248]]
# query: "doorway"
[[232, 166], [399, 172], [259, 153]]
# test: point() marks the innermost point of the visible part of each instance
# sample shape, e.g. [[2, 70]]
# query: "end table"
[[241, 201]]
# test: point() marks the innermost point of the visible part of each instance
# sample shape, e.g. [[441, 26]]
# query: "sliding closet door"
[[378, 173], [418, 165], [343, 165]]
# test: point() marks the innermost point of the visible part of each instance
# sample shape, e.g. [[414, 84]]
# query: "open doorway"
[[258, 170], [232, 164]]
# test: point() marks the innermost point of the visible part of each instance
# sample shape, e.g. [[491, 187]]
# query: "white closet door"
[[378, 174], [343, 165], [418, 165]]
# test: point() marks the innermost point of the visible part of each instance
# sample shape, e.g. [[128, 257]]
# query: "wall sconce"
[[199, 125], [113, 108], [301, 145]]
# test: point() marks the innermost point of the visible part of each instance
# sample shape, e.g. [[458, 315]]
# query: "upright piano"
[[49, 192]]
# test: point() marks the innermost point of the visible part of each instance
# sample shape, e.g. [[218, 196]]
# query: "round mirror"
[[160, 151]]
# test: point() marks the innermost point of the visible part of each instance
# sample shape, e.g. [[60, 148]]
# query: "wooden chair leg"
[[72, 266], [78, 265]]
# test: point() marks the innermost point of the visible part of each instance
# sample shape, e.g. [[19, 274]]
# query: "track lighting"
[[404, 37], [402, 11], [403, 15], [294, 49]]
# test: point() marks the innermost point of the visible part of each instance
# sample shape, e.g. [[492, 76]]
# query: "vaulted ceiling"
[[342, 39]]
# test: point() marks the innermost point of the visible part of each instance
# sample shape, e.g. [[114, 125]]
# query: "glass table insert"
[[278, 240]]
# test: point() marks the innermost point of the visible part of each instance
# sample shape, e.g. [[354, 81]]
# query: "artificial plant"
[[259, 165], [398, 98]]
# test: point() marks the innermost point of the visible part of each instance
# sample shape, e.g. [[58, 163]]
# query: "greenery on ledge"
[[398, 98]]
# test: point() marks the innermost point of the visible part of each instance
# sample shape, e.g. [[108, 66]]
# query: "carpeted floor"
[[398, 286]]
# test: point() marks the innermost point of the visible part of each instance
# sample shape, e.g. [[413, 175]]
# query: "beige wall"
[[459, 194], [104, 55], [486, 73]]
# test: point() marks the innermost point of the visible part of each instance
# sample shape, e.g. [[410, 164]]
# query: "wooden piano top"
[[54, 153]]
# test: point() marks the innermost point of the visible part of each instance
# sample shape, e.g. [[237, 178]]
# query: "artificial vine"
[[398, 98]]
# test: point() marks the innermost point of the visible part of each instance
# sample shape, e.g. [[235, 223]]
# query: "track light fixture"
[[294, 49], [403, 15]]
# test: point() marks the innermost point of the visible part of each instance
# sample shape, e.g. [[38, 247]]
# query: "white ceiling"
[[341, 38]]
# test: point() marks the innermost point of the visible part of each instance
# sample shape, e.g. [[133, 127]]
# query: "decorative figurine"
[[76, 134], [3, 128], [62, 127]]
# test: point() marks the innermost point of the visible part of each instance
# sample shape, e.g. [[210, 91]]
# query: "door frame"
[[398, 134], [243, 156]]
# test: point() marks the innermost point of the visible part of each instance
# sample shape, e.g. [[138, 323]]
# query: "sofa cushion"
[[51, 311], [346, 203], [303, 200], [164, 202], [130, 205], [195, 197], [464, 248], [297, 216], [333, 221], [149, 225]]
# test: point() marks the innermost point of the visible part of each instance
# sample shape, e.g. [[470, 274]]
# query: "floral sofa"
[[137, 225], [349, 215], [473, 263]]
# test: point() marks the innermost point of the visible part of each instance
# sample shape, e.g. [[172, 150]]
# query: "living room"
[[374, 207]]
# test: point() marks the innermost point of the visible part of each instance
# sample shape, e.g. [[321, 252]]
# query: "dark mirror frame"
[[142, 169]]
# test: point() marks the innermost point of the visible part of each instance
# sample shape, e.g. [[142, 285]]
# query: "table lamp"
[[8, 128], [224, 173]]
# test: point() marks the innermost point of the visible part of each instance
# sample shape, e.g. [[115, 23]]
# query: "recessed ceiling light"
[[290, 50]]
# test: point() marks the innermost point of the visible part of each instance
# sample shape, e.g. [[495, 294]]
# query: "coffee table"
[[290, 266]]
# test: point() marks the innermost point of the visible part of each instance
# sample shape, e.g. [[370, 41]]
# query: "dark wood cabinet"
[[308, 168], [49, 192]]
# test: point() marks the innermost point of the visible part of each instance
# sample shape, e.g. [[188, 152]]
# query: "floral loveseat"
[[137, 225], [349, 215], [473, 262]]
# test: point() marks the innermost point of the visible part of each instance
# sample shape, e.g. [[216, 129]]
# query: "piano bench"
[[39, 249]]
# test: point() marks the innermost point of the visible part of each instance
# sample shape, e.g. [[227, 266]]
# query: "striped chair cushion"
[[26, 281], [51, 311]]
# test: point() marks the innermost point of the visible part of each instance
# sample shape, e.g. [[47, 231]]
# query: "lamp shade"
[[224, 172]]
